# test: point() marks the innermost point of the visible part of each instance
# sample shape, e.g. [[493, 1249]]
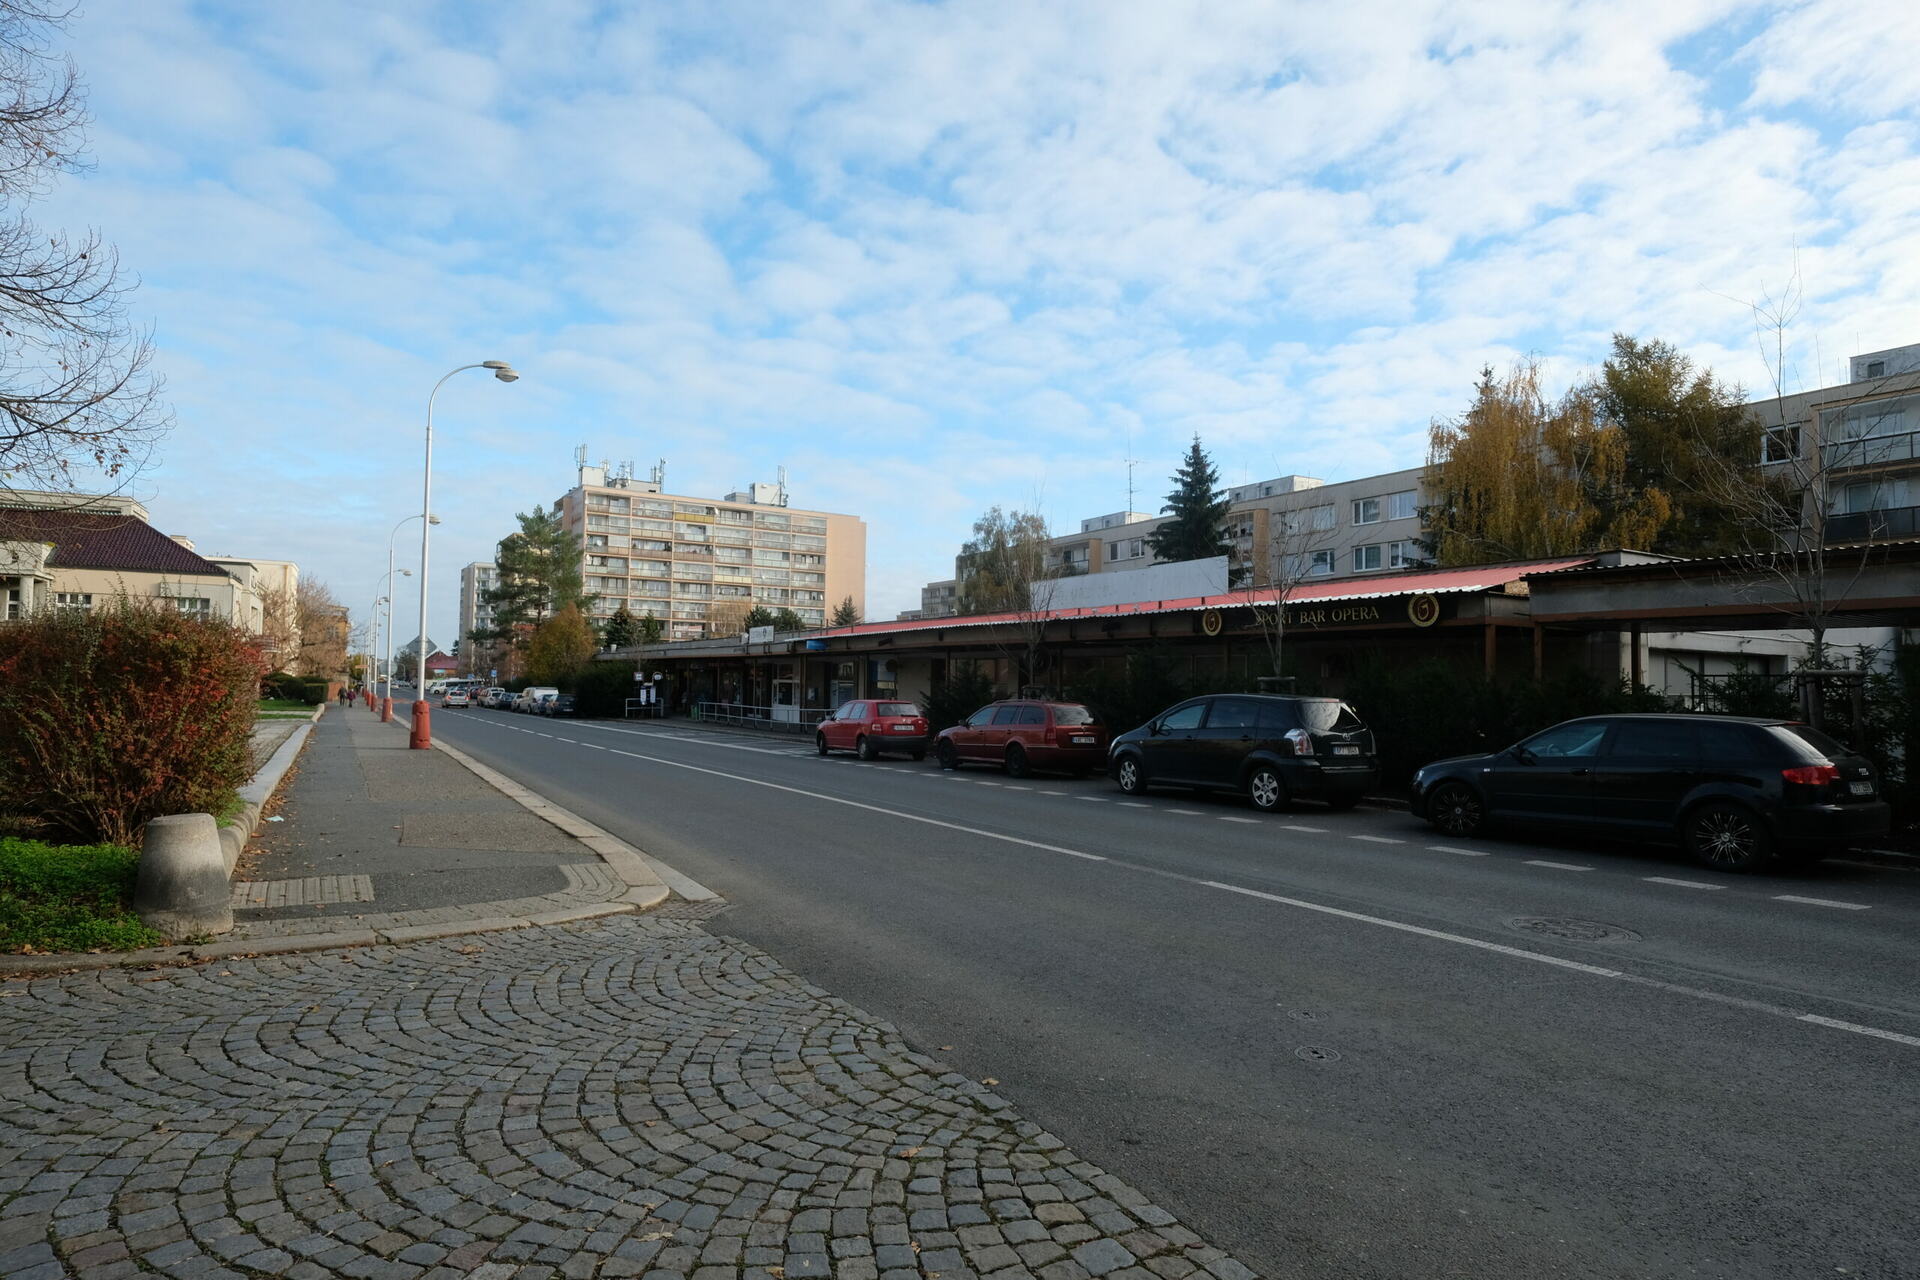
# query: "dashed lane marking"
[[1294, 826], [1134, 804], [1465, 853], [1095, 799], [1681, 884], [1557, 866], [1377, 839], [1053, 793], [1822, 902], [1188, 813], [1227, 817]]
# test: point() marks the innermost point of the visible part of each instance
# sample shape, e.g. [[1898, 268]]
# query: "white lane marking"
[[592, 746], [1465, 853], [1009, 786], [1188, 813], [1053, 793], [1294, 826], [1227, 817], [856, 804], [1683, 884], [987, 782], [1822, 902], [1838, 1025], [1377, 839], [699, 740], [1459, 939], [1134, 804], [1557, 866], [1095, 799]]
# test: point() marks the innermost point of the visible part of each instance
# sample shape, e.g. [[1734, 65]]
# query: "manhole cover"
[[1573, 930], [1314, 1053]]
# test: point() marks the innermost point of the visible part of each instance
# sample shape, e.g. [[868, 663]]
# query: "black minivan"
[[1732, 790], [1268, 747]]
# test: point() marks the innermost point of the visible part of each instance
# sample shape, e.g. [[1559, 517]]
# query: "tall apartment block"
[[698, 564], [475, 613]]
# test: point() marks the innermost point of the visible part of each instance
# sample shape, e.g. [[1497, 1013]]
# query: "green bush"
[[113, 717], [313, 690], [69, 898], [1140, 688], [602, 688]]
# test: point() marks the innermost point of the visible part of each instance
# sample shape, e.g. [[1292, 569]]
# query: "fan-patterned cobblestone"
[[630, 1097]]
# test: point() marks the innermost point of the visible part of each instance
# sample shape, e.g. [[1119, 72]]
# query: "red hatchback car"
[[870, 726], [1022, 736]]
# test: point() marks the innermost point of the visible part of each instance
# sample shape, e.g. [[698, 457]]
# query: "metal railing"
[[789, 719], [1864, 451], [1864, 526], [635, 709]]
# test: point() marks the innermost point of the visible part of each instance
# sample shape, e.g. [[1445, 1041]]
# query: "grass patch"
[[269, 705], [72, 897]]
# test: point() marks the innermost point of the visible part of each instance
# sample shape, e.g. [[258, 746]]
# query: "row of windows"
[[1403, 554]]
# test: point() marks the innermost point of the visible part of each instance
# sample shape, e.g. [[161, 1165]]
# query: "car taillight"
[[1811, 775], [1301, 741]]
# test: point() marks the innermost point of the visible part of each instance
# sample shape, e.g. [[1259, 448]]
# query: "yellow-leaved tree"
[[1519, 477], [560, 647]]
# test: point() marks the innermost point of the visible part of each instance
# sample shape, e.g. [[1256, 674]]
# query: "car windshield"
[[897, 709], [1329, 717], [1067, 714]]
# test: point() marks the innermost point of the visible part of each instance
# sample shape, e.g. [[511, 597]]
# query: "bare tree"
[[1300, 540], [1789, 559], [77, 391]]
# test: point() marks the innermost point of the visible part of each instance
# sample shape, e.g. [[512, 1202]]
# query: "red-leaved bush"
[[112, 718]]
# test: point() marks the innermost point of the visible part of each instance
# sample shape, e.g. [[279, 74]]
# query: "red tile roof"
[[102, 540]]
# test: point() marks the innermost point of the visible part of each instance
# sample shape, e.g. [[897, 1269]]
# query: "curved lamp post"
[[422, 735]]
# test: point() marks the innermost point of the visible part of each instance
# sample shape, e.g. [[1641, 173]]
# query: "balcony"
[[1871, 451], [1869, 526]]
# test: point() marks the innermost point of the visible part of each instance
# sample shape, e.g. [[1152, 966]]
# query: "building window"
[[1782, 444], [1127, 549], [1403, 505], [73, 601], [1366, 558], [1316, 564], [1403, 554], [1366, 511], [1317, 519], [194, 606], [1876, 368]]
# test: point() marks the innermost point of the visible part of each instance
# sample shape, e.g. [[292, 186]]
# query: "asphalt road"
[[1336, 1043]]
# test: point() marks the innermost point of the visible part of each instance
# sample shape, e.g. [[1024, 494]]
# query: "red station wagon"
[[1022, 736], [869, 726]]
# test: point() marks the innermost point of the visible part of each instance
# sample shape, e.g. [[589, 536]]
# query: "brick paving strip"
[[632, 1096]]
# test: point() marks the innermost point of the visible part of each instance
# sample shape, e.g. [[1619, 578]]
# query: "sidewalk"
[[374, 837]]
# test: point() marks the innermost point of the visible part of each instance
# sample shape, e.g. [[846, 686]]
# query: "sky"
[[931, 257]]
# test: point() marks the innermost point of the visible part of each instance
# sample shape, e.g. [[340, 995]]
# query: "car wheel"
[[1456, 810], [1266, 790], [865, 749], [946, 755], [820, 743], [1017, 766], [1131, 778], [921, 754], [1726, 837]]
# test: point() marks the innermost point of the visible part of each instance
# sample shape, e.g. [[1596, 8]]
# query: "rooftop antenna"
[[659, 473], [1130, 460], [580, 455], [781, 488]]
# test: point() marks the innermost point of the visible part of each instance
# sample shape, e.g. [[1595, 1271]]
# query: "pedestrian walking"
[[346, 695]]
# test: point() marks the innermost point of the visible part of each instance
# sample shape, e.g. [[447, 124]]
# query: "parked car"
[[1734, 792], [456, 698], [503, 700], [1271, 748], [560, 704], [527, 697], [1022, 735], [487, 697], [869, 726]]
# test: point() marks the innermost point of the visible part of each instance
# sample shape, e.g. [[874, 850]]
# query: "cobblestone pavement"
[[631, 1097]]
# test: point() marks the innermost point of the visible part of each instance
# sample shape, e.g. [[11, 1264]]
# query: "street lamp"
[[422, 735], [386, 694], [386, 698]]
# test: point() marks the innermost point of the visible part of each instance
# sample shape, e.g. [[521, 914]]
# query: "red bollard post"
[[422, 735], [386, 710]]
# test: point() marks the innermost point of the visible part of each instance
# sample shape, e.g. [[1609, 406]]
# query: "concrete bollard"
[[182, 887]]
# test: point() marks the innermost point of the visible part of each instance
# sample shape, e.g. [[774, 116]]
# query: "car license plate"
[[1346, 751], [1860, 788], [903, 728], [1082, 741]]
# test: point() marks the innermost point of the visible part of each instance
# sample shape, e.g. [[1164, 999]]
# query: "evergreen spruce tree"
[[845, 614], [1199, 510], [622, 628]]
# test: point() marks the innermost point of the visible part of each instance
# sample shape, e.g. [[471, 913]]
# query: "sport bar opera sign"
[[1421, 610]]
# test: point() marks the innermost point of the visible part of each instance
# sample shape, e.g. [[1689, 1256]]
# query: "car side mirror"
[[1155, 729], [1523, 755]]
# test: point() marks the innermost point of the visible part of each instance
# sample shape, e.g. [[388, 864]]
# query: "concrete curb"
[[260, 789]]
